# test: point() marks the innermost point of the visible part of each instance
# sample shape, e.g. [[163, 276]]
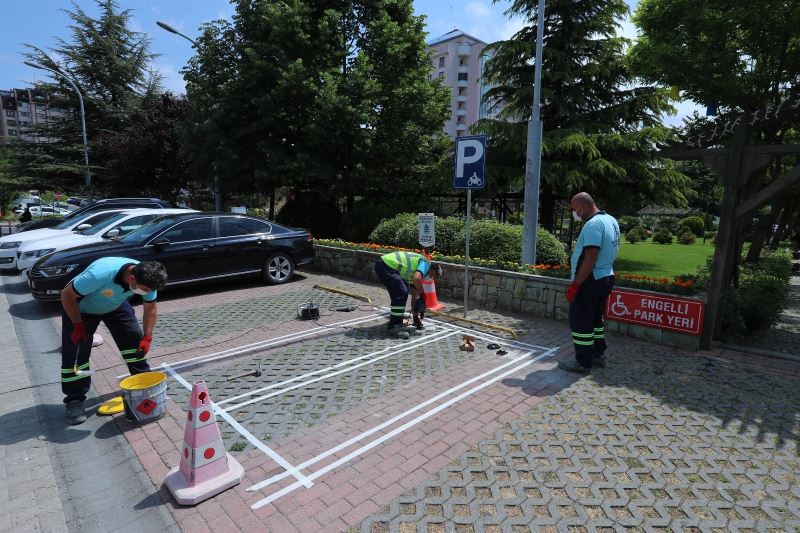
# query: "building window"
[[12, 133], [462, 91], [25, 114], [462, 76], [441, 74], [11, 113], [11, 122], [430, 77], [441, 62]]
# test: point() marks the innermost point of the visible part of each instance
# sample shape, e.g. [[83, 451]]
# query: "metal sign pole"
[[466, 252]]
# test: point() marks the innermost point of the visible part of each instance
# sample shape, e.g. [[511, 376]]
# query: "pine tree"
[[330, 96], [111, 65], [600, 128]]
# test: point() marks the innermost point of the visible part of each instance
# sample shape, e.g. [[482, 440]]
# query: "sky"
[[480, 18]]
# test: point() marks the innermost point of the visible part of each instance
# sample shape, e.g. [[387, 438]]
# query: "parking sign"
[[427, 229], [470, 163]]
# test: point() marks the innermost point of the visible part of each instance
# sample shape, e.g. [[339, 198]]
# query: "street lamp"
[[533, 158], [217, 193], [87, 175]]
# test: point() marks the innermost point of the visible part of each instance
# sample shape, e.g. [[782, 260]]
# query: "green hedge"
[[489, 239]]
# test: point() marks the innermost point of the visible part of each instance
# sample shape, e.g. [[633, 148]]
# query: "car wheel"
[[278, 269]]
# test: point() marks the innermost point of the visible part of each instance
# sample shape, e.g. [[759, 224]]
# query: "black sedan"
[[194, 247]]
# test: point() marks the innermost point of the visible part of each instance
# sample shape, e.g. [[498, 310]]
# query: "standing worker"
[[592, 280], [398, 270], [100, 294]]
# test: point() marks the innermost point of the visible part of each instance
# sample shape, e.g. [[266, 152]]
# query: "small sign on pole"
[[469, 173], [427, 229]]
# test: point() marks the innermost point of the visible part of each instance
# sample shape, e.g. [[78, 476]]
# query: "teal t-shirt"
[[600, 231], [99, 290]]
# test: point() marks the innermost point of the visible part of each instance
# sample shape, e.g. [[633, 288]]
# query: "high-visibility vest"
[[406, 263]]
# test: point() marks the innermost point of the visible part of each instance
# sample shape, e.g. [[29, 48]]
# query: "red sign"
[[665, 312]]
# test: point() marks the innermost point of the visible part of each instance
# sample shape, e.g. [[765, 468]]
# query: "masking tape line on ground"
[[394, 432], [275, 456]]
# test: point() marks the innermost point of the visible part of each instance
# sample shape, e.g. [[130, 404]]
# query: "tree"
[[330, 96], [111, 65], [737, 56], [148, 155], [601, 129]]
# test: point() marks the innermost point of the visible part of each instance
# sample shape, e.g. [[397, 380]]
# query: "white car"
[[43, 210], [118, 225], [9, 245]]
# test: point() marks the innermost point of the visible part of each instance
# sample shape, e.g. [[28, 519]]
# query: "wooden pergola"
[[737, 164]]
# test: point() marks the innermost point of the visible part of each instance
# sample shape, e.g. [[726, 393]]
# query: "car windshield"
[[104, 224], [148, 230], [69, 222]]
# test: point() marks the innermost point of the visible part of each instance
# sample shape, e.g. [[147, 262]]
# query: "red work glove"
[[572, 291], [78, 334], [144, 344]]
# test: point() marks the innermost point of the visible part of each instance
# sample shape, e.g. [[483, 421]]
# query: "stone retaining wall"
[[496, 289]]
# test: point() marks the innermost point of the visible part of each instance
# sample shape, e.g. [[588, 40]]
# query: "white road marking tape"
[[336, 373], [290, 470], [398, 430]]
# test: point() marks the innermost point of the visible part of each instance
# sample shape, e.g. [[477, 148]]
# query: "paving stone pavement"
[[283, 414], [179, 327], [656, 442]]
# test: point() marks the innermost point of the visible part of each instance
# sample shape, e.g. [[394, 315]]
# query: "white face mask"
[[576, 216], [140, 292]]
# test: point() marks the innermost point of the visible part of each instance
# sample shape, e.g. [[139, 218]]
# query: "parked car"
[[21, 202], [9, 245], [194, 247], [46, 210], [114, 227], [99, 205]]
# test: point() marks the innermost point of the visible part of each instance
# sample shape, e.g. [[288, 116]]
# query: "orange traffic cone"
[[429, 292], [206, 469]]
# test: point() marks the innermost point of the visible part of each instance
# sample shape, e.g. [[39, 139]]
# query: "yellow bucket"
[[145, 396]]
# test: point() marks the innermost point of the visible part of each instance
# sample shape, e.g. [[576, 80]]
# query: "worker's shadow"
[[34, 310], [541, 382], [44, 422]]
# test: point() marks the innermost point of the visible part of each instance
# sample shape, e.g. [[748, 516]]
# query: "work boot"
[[76, 413], [573, 366], [600, 362], [398, 331]]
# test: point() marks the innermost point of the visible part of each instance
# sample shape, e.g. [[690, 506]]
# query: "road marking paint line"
[[267, 343], [336, 373], [397, 418], [290, 470], [321, 370], [489, 336], [398, 430]]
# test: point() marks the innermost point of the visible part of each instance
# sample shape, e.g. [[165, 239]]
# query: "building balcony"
[[463, 68], [462, 83], [460, 126], [461, 112], [461, 98], [463, 49]]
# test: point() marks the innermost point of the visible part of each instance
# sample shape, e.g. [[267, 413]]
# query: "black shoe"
[[600, 362], [398, 331], [76, 413], [573, 366]]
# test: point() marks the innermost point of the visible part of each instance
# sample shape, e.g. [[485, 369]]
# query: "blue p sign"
[[470, 164]]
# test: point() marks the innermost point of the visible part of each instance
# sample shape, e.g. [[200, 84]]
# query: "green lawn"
[[662, 260]]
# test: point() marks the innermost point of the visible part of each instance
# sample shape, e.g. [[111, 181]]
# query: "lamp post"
[[87, 174], [217, 193], [533, 159]]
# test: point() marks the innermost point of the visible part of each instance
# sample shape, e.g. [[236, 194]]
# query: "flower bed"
[[683, 284]]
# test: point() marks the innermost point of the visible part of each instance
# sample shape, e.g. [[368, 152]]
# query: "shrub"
[[627, 223], [687, 237], [695, 224], [636, 234], [662, 236], [387, 230], [364, 217], [489, 239], [669, 223]]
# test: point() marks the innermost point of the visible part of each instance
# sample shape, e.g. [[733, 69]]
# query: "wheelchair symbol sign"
[[618, 308]]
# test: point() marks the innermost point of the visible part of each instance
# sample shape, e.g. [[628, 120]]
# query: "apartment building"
[[24, 111], [458, 60]]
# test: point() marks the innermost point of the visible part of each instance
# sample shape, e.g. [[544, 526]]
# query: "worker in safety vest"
[[592, 281], [397, 271]]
